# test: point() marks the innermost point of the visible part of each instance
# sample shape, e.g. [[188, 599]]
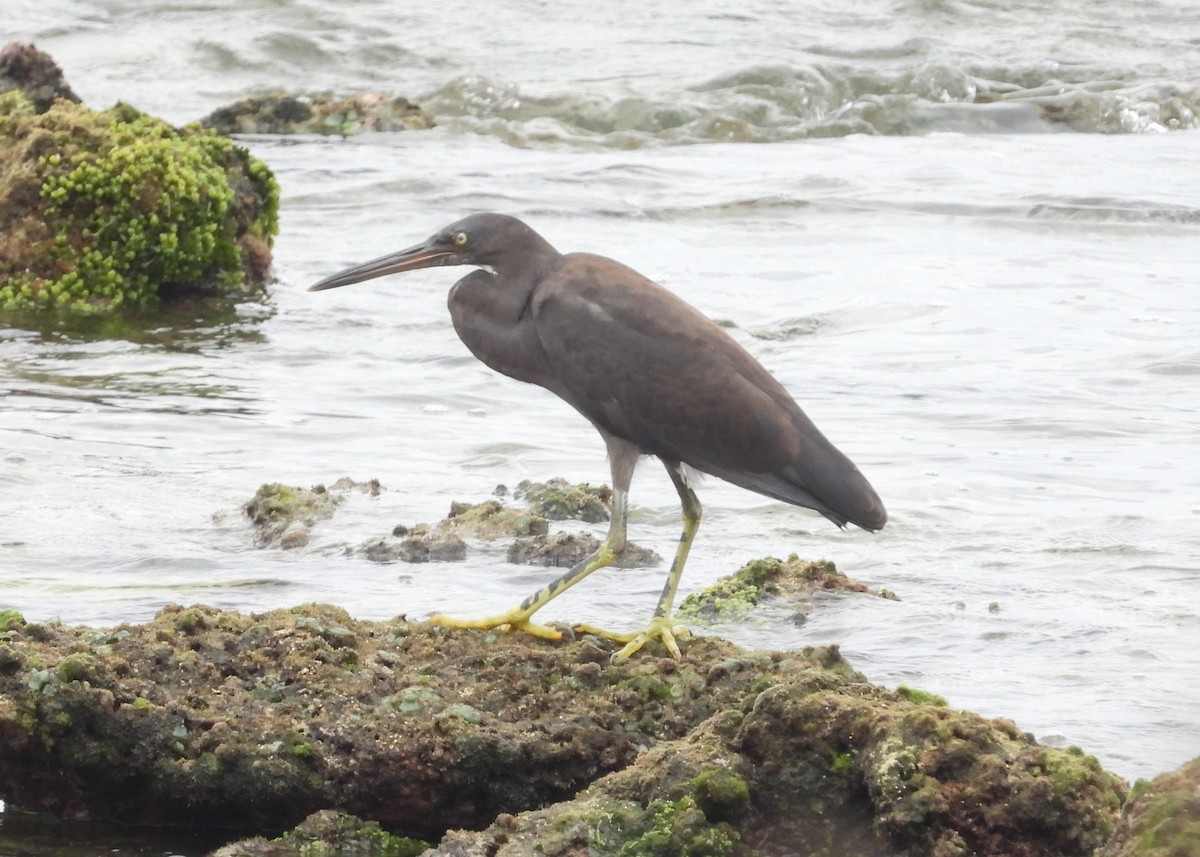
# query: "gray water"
[[963, 234]]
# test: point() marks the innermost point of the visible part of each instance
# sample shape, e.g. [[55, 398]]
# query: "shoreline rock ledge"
[[501, 744]]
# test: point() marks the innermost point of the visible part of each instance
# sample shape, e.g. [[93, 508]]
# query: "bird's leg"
[[518, 618], [661, 626]]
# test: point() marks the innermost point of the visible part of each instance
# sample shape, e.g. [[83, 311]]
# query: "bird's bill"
[[420, 256]]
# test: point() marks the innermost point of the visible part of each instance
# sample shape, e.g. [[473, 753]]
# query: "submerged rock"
[[420, 544], [559, 500], [285, 113], [284, 514], [732, 597], [491, 519], [207, 717], [566, 549]]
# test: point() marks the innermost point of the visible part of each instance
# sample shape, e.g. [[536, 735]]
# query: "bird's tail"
[[827, 482]]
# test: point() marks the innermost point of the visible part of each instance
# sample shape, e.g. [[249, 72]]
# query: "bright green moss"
[[11, 619], [102, 211], [680, 829], [921, 697]]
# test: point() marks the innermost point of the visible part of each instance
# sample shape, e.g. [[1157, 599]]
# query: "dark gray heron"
[[651, 373]]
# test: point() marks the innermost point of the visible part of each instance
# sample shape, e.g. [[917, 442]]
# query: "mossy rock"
[[559, 500], [283, 514], [114, 210], [491, 519], [732, 597], [328, 833], [1161, 817], [522, 747]]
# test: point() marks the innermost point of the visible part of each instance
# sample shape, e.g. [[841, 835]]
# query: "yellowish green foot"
[[514, 620], [660, 628]]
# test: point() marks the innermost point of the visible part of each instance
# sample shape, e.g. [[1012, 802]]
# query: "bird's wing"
[[644, 365]]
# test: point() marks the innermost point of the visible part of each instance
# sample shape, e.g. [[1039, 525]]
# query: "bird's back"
[[646, 366]]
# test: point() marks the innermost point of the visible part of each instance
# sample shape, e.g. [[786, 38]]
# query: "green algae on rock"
[[102, 211], [491, 519], [328, 833], [566, 549], [521, 746], [822, 763], [733, 597], [283, 514], [1161, 818], [323, 113], [559, 500]]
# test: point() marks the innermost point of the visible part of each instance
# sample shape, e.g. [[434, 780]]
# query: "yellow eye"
[[461, 239]]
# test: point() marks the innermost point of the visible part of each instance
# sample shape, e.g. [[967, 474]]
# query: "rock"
[[520, 746], [566, 549], [34, 74], [491, 519], [1161, 817], [284, 113], [733, 597], [328, 833], [559, 500], [419, 545], [283, 515], [277, 510], [102, 211]]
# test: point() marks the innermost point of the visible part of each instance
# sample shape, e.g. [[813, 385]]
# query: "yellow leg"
[[661, 627], [517, 619]]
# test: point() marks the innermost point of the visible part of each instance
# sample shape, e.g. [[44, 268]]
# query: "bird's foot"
[[513, 620], [660, 628]]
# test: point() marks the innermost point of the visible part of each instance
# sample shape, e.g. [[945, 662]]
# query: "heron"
[[654, 375]]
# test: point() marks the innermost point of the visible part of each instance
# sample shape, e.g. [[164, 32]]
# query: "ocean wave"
[[766, 104]]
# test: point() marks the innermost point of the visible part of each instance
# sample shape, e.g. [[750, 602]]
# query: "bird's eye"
[[460, 238]]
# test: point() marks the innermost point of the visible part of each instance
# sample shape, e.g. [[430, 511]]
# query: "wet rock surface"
[[283, 515], [566, 549], [559, 500], [791, 581], [205, 717], [420, 544], [322, 113], [1162, 817]]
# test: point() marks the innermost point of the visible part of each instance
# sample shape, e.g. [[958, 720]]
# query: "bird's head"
[[486, 240]]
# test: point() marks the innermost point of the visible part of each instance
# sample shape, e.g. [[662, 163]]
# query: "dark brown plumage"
[[652, 374]]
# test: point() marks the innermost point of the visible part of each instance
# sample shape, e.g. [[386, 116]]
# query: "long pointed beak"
[[419, 256]]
